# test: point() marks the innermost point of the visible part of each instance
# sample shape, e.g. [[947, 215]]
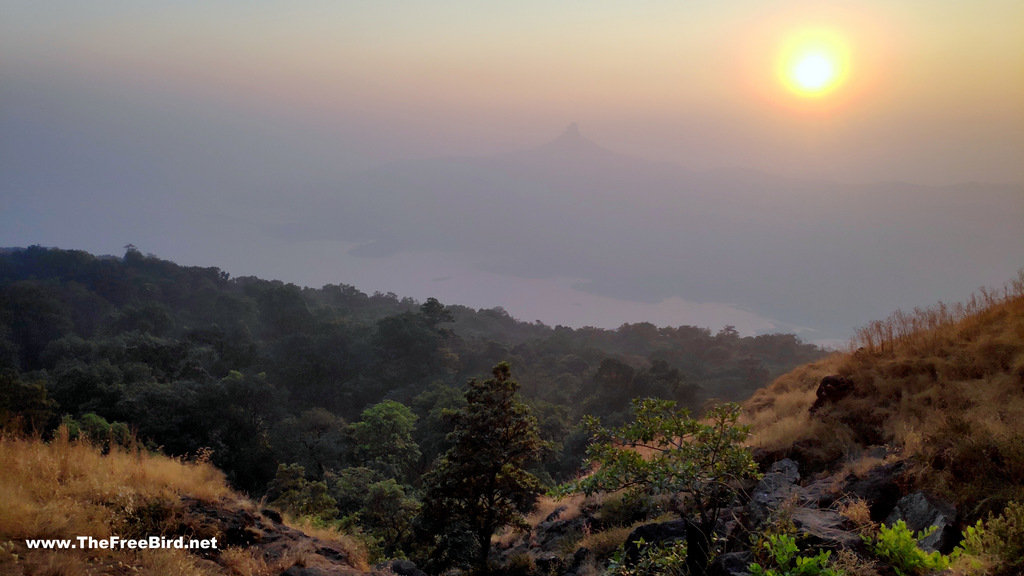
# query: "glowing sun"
[[813, 63]]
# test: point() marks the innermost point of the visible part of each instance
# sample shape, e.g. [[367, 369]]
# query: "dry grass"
[[849, 563], [937, 385], [778, 414], [604, 544], [355, 548], [858, 512], [67, 488], [64, 489], [508, 537], [242, 562]]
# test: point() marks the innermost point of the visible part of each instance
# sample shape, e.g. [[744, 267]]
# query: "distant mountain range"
[[805, 252]]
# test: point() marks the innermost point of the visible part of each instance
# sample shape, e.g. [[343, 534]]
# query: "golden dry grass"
[[858, 512], [968, 359], [64, 489], [778, 415], [935, 385], [507, 537], [603, 544], [67, 488], [356, 549]]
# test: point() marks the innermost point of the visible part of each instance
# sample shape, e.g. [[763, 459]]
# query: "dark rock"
[[731, 564], [579, 556], [813, 455], [234, 525], [785, 471], [831, 390], [777, 486], [550, 535], [402, 568], [879, 452], [879, 487], [317, 571], [922, 511], [820, 493], [824, 529], [658, 533], [272, 515], [333, 553], [549, 563], [555, 514]]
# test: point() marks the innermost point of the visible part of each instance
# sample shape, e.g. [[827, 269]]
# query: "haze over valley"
[[694, 190]]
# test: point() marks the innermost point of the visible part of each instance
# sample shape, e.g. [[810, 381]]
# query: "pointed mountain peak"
[[572, 139], [570, 147]]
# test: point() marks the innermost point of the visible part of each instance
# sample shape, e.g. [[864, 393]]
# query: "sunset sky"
[[172, 111]]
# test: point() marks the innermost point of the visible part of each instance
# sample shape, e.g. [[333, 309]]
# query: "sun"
[[813, 63]]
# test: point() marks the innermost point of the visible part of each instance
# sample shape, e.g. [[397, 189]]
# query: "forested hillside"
[[192, 359], [290, 389]]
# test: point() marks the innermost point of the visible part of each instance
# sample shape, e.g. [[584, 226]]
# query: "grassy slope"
[[64, 489], [943, 386]]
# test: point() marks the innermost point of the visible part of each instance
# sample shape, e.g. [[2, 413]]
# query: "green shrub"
[[897, 545], [626, 508], [783, 553], [999, 538]]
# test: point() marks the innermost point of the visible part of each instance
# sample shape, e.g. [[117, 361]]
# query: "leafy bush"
[[625, 508], [295, 495], [783, 551], [898, 546], [1000, 538], [666, 451]]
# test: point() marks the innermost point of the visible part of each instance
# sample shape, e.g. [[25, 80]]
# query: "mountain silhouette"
[[643, 231], [571, 149]]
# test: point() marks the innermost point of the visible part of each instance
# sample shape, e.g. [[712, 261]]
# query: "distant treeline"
[[258, 373]]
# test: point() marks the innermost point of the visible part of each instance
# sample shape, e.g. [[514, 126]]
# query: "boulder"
[[556, 513], [657, 533], [879, 487], [778, 485], [821, 493], [402, 568], [731, 564], [824, 529], [549, 563], [922, 511], [830, 390]]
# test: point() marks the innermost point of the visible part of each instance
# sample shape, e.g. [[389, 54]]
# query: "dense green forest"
[[324, 393]]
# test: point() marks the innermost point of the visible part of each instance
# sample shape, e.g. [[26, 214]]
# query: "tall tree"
[[481, 483], [384, 439]]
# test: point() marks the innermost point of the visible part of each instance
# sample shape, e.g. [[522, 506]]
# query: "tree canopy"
[[482, 483]]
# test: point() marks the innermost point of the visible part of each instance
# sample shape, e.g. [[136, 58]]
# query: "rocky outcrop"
[[824, 529], [879, 487], [831, 390], [660, 533], [234, 525], [922, 511], [731, 564], [777, 486]]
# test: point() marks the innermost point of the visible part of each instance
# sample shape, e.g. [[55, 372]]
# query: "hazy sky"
[[192, 128]]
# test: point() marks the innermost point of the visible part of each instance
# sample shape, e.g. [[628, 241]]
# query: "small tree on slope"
[[665, 451], [481, 483]]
